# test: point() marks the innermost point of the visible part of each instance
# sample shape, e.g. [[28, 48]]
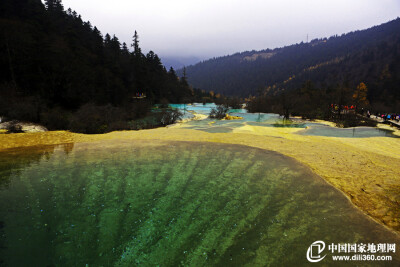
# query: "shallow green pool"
[[271, 120], [125, 203], [354, 132]]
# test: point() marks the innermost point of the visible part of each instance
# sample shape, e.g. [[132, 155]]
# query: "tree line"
[[371, 56], [53, 63], [343, 104]]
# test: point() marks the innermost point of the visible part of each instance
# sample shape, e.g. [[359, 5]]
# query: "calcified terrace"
[[364, 169]]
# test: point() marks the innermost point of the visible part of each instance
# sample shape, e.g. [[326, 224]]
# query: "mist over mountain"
[[371, 56], [178, 62]]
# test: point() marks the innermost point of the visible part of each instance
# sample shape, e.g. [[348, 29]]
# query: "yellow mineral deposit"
[[366, 170]]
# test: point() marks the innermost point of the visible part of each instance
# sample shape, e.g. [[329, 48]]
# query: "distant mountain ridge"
[[360, 56], [178, 62]]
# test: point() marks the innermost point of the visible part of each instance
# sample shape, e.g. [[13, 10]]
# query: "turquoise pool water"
[[201, 109], [130, 203], [358, 132], [272, 120]]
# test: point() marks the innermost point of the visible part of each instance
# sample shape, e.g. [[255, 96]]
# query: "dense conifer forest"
[[54, 63], [336, 64], [61, 71]]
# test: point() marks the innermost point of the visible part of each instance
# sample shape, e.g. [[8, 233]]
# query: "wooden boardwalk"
[[391, 122]]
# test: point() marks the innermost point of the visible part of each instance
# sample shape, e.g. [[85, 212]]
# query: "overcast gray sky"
[[207, 28]]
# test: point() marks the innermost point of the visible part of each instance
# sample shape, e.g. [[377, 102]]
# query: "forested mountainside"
[[52, 55], [371, 56]]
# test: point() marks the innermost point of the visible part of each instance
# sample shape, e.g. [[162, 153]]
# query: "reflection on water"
[[9, 166], [130, 203]]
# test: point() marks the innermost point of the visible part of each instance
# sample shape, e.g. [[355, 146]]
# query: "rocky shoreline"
[[26, 127]]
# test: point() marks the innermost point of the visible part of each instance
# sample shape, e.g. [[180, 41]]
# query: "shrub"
[[118, 126], [219, 112], [14, 127], [145, 123], [234, 103], [347, 121], [92, 119], [260, 104], [138, 109], [170, 116], [164, 103], [56, 119], [26, 109]]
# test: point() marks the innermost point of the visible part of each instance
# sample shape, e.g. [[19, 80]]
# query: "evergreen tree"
[[125, 50], [51, 58], [115, 45], [54, 5], [137, 52], [107, 40], [183, 80], [172, 73]]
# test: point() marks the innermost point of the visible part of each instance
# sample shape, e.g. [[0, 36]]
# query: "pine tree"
[[184, 78], [136, 49], [125, 50], [115, 44], [107, 40], [54, 5], [184, 73], [172, 74]]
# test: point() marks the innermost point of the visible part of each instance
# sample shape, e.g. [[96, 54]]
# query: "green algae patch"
[[149, 202]]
